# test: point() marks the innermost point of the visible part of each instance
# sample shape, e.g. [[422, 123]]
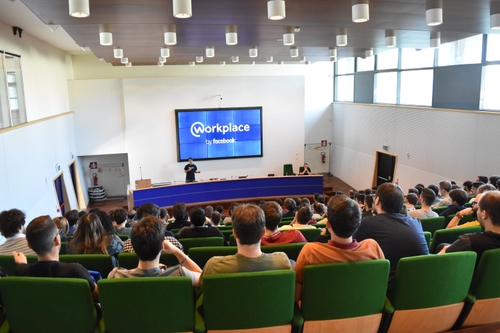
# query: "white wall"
[[442, 144]]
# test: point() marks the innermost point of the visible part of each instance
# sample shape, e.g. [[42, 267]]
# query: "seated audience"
[[273, 214], [72, 216], [344, 218], [411, 200], [248, 228], [120, 220], [444, 191], [153, 210], [209, 210], [467, 186], [216, 218], [488, 214], [290, 207], [43, 237], [305, 170], [198, 229], [435, 189], [148, 240], [368, 206], [467, 211], [91, 238], [229, 219], [164, 216], [427, 198], [181, 216], [12, 228], [360, 200], [302, 218], [398, 235], [458, 199], [319, 210], [483, 179], [62, 227]]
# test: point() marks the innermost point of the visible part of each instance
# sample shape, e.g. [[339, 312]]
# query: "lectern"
[[142, 183]]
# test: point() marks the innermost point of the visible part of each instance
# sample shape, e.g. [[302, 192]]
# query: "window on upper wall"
[[412, 58], [388, 60], [461, 52], [493, 48], [386, 88], [12, 107], [490, 99], [365, 64], [416, 87], [345, 88], [345, 66]]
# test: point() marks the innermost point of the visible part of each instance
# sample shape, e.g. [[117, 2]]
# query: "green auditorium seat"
[[200, 255], [351, 301], [310, 233], [96, 262], [429, 292], [450, 235], [432, 224], [288, 170], [48, 305], [130, 260], [291, 250], [188, 243]]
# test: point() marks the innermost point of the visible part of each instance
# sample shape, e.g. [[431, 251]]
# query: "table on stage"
[[228, 189]]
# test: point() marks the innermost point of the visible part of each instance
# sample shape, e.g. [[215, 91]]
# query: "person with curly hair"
[[12, 228]]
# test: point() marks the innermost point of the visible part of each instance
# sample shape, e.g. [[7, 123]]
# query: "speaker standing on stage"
[[190, 169]]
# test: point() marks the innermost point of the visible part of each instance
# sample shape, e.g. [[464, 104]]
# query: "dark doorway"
[[62, 196], [385, 168]]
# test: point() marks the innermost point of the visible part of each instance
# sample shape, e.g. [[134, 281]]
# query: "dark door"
[[386, 166]]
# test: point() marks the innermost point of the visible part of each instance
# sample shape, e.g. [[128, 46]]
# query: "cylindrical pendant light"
[[360, 11], [252, 63], [222, 63], [434, 12], [124, 60], [253, 52], [390, 38], [435, 39], [160, 64], [165, 52], [106, 38], [307, 62], [199, 59], [235, 58], [495, 15], [231, 35], [303, 59], [294, 52], [182, 8], [276, 9], [269, 59], [368, 53], [128, 64], [118, 53], [191, 63], [170, 34], [333, 59], [288, 38], [162, 59], [79, 8], [210, 52], [342, 37], [280, 62]]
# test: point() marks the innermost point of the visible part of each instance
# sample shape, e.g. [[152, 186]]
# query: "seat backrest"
[[439, 209], [287, 169], [310, 233], [9, 265], [450, 235], [95, 262], [188, 243], [350, 289], [485, 283], [123, 237], [163, 304], [47, 305], [432, 280], [200, 255], [130, 260], [251, 300], [432, 224], [62, 250], [291, 250], [427, 236]]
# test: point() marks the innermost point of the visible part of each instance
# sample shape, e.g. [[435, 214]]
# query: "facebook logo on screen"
[[219, 133]]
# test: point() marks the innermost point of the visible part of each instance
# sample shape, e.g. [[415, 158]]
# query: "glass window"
[[12, 107], [460, 52], [345, 88], [490, 98], [493, 48], [386, 88], [412, 58], [388, 60], [416, 87], [366, 64], [345, 66]]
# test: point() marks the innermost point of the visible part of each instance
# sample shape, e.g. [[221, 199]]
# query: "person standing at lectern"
[[305, 170], [190, 169]]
